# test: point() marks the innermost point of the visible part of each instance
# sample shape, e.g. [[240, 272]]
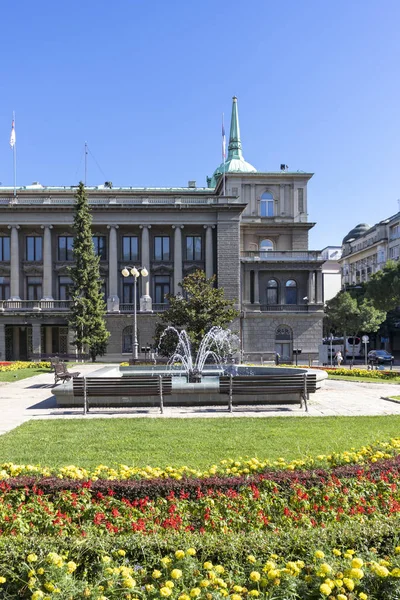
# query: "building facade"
[[248, 228]]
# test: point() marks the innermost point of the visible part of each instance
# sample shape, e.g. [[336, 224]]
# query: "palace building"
[[247, 227]]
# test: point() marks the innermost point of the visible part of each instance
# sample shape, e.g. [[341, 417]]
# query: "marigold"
[[156, 574], [179, 554], [176, 573], [325, 589], [2, 580], [255, 576], [319, 554], [165, 592], [349, 583], [195, 592]]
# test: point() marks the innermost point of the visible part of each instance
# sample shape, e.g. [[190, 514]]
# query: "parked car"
[[378, 357]]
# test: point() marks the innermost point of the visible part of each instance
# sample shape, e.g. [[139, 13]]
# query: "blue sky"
[[145, 83]]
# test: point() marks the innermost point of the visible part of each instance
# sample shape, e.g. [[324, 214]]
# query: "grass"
[[10, 376], [362, 379], [192, 442]]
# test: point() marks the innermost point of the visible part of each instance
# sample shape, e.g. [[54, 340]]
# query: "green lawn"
[[363, 379], [192, 442], [21, 374]]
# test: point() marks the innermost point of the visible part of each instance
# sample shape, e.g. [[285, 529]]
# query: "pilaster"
[[209, 251], [2, 341], [113, 273], [178, 267], [36, 340], [47, 263], [14, 263]]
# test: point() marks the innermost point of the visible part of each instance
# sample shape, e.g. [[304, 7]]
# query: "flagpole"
[[86, 152], [223, 154], [15, 160]]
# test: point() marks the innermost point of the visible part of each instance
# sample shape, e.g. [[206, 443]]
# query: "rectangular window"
[[300, 199], [161, 289], [34, 248], [193, 247], [4, 288], [99, 243], [34, 288], [128, 292], [394, 232], [130, 248], [161, 247], [4, 248], [64, 288], [65, 243]]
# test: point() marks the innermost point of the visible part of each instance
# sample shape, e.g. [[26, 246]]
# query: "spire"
[[235, 145]]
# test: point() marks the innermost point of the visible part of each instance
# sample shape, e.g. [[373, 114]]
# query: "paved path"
[[33, 399]]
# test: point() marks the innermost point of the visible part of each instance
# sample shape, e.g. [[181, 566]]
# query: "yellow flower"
[[191, 551], [251, 559], [128, 583], [255, 576], [397, 550], [362, 596], [165, 592], [183, 597], [325, 589], [220, 569], [169, 584], [325, 568], [179, 554], [319, 554], [176, 574], [349, 583], [357, 563], [37, 595], [341, 597], [395, 572], [336, 552], [2, 580], [40, 571], [121, 552], [106, 559], [165, 560], [205, 583], [156, 574], [208, 565], [149, 587], [71, 566], [195, 592], [254, 593], [31, 558], [356, 573]]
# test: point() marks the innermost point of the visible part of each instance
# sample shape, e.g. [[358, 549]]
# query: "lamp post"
[[135, 272]]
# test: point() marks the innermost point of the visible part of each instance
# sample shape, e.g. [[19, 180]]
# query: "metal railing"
[[283, 255], [35, 305], [284, 307], [129, 307]]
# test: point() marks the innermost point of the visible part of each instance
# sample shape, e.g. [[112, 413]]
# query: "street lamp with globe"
[[135, 272]]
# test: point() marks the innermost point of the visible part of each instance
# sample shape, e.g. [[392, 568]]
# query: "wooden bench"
[[271, 386], [114, 387], [61, 372]]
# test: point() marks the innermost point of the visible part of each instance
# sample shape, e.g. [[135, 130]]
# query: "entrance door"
[[23, 343], [283, 343]]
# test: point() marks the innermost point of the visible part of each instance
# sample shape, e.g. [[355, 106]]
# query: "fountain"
[[195, 379], [216, 346]]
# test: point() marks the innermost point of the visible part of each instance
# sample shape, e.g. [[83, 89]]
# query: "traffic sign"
[[365, 339]]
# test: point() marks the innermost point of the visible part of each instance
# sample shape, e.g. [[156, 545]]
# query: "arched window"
[[272, 292], [127, 339], [267, 205], [266, 246], [291, 292]]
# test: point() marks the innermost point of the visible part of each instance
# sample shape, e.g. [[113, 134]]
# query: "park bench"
[[61, 372], [268, 388], [144, 386]]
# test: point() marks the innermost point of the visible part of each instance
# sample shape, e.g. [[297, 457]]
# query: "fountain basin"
[[204, 393]]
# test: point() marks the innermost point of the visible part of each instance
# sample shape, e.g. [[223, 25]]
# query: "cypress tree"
[[88, 305]]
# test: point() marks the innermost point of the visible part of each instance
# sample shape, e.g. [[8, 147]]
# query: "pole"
[[366, 353], [86, 152], [223, 154], [135, 340], [15, 159], [331, 339]]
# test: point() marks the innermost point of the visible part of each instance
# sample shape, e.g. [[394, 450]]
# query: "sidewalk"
[[33, 399]]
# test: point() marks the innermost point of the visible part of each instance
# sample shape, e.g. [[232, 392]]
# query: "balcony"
[[34, 305], [281, 256], [287, 307], [129, 307]]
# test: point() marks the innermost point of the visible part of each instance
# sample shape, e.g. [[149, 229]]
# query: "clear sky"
[[145, 83]]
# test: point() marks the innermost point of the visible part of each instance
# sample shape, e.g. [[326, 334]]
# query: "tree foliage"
[[88, 307], [201, 307], [351, 316], [383, 288]]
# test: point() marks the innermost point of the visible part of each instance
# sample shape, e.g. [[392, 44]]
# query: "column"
[[246, 287], [209, 251], [319, 291], [256, 287], [36, 340], [253, 200], [311, 287], [282, 209], [145, 299], [14, 287], [178, 268], [15, 331], [2, 341], [113, 273], [49, 339], [47, 264]]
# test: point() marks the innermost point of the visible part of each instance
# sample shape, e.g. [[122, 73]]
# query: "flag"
[[223, 140], [12, 136]]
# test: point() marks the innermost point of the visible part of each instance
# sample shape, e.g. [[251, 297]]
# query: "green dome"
[[235, 162]]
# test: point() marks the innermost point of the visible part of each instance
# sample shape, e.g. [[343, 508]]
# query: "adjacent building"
[[248, 228]]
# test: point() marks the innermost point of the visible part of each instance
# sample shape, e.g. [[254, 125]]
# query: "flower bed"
[[17, 365], [372, 374]]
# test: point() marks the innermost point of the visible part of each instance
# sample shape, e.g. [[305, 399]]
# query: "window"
[[65, 243], [161, 247], [300, 199], [64, 288], [283, 342], [272, 292], [193, 247], [4, 248], [130, 248], [395, 231], [161, 288], [99, 243], [127, 334], [394, 252], [265, 246], [34, 248], [291, 292], [4, 288], [267, 205], [34, 288], [128, 292]]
